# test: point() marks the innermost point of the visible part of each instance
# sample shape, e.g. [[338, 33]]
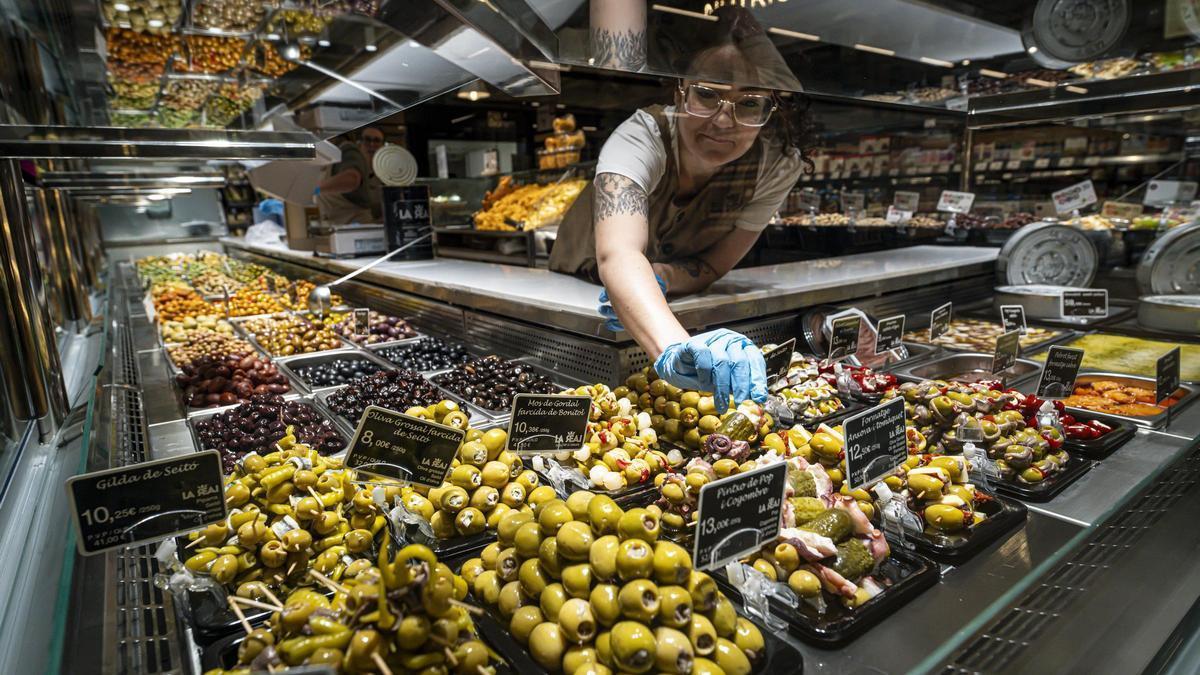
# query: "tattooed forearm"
[[695, 267], [616, 195], [618, 49]]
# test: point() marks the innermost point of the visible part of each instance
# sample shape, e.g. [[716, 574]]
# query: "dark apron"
[[704, 220]]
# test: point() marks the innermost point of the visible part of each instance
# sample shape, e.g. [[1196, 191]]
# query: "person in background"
[[351, 193], [681, 194]]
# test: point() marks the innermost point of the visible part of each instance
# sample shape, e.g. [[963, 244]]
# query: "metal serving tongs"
[[320, 299]]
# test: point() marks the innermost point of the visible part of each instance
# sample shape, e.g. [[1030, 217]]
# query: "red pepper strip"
[[1100, 426]]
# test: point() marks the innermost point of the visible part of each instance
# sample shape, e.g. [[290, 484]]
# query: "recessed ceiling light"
[[874, 50], [966, 62], [682, 12], [993, 73], [794, 34], [935, 62], [371, 48]]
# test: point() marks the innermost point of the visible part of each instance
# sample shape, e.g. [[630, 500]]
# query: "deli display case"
[[207, 470]]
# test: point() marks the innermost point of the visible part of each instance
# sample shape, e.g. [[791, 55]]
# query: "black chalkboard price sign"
[[778, 360], [1060, 371], [843, 337], [737, 515], [939, 321], [891, 334], [362, 321], [548, 422], [394, 445], [143, 502], [1166, 379], [1084, 303], [1012, 317], [1007, 347], [876, 443]]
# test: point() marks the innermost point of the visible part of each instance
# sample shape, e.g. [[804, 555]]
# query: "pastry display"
[[256, 426], [426, 355], [585, 579], [491, 382], [1132, 355], [978, 335]]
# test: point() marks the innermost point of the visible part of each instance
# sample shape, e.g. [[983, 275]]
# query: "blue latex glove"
[[271, 207], [606, 310], [720, 361]]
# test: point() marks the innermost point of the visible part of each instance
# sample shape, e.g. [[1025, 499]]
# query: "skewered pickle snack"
[[804, 368], [284, 335], [491, 382], [426, 354], [395, 390], [679, 492], [255, 426], [588, 587], [404, 615], [937, 488], [291, 510], [184, 329]]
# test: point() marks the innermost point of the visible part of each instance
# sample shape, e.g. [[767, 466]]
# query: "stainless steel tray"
[[249, 337], [310, 400], [1152, 422], [916, 353], [966, 362], [377, 347], [1170, 313], [290, 363]]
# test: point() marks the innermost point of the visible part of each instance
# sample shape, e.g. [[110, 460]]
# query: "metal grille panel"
[[145, 639], [577, 357], [1002, 641]]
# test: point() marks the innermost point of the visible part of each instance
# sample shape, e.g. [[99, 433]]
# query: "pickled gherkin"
[[833, 523], [853, 559]]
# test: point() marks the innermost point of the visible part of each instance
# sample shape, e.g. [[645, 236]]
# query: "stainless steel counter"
[[569, 304]]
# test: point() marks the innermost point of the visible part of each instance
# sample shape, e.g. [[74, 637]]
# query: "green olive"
[[749, 639], [295, 541], [703, 666], [494, 440], [724, 616], [471, 569], [224, 568], [552, 599], [603, 557], [944, 517], [538, 494], [639, 600], [578, 657], [767, 569], [604, 649], [546, 645], [576, 620], [496, 513], [675, 607], [578, 503], [924, 486], [470, 521], [508, 565], [495, 475], [672, 563], [605, 603], [633, 646], [513, 494], [489, 554], [532, 577], [413, 632], [446, 629], [527, 540], [731, 659], [705, 595], [552, 515], [702, 635], [673, 651], [603, 515], [507, 529], [574, 541], [805, 583], [471, 656], [577, 580], [523, 621], [466, 477], [485, 498], [510, 600], [635, 560], [454, 499], [638, 524], [487, 587], [592, 669], [473, 453], [787, 557]]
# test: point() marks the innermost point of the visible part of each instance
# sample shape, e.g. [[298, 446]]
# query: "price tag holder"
[[853, 201], [1123, 210], [1007, 348], [1164, 192], [1043, 163], [843, 337], [362, 321], [1012, 317], [737, 515], [995, 166], [939, 321], [548, 422], [394, 445], [1013, 164], [1166, 376], [952, 201], [891, 334], [1066, 162], [905, 200], [897, 216], [144, 502], [1061, 369], [810, 199], [1086, 303], [876, 443], [1075, 197], [778, 360]]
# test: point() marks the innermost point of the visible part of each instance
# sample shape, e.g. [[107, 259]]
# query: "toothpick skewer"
[[470, 608], [255, 603], [383, 667], [195, 542], [328, 583], [271, 595], [241, 617]]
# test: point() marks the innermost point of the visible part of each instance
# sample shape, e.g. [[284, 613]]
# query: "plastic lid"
[[1171, 264], [1048, 253]]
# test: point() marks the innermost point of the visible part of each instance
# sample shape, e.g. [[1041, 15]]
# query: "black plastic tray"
[[1049, 488], [781, 657], [1003, 517], [223, 654], [445, 549], [1104, 446], [910, 574]]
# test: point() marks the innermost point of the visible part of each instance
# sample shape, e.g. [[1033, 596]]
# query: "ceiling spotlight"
[[371, 48], [322, 43], [966, 62], [121, 7], [475, 91]]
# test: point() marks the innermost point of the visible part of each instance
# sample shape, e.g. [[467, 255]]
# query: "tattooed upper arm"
[[618, 195], [624, 49]]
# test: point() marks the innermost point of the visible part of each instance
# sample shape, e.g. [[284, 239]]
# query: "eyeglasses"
[[750, 110]]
